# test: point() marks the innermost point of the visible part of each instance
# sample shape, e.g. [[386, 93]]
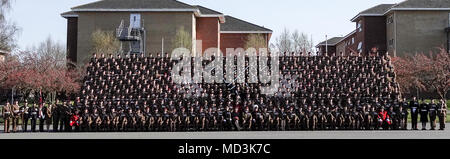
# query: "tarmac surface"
[[379, 134]]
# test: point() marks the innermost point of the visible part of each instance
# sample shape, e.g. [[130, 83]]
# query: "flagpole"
[[326, 44]]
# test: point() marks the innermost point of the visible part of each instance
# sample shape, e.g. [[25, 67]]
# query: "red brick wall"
[[236, 40], [232, 41], [375, 33], [208, 32]]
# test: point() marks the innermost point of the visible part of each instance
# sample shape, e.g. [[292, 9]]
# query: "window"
[[359, 26], [353, 40], [360, 47], [135, 20]]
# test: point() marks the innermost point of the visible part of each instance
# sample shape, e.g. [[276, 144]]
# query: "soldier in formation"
[[136, 93]]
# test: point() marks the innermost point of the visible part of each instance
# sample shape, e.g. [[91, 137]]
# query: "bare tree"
[[182, 39], [4, 6], [256, 41], [301, 42], [50, 50], [284, 42], [8, 30], [104, 42], [296, 42]]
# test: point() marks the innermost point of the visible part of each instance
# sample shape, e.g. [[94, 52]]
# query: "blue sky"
[[39, 19]]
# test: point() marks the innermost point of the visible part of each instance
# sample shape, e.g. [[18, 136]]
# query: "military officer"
[[424, 114], [7, 115], [432, 111], [56, 115], [34, 110], [48, 116], [16, 115], [402, 118], [414, 107], [24, 116], [42, 116], [442, 111]]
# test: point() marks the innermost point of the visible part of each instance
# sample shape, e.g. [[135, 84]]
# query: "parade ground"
[[408, 134]]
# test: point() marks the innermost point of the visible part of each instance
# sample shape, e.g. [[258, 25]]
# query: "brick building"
[[149, 27], [409, 27]]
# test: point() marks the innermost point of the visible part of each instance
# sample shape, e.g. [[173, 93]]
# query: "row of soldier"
[[349, 77], [81, 118]]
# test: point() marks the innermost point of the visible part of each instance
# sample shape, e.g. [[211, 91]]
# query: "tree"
[[256, 41], [104, 42], [8, 30], [424, 73], [283, 43], [51, 51], [182, 39], [301, 42], [4, 6], [40, 68], [296, 42], [440, 70], [406, 75]]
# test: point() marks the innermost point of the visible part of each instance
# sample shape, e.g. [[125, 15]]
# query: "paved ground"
[[240, 135]]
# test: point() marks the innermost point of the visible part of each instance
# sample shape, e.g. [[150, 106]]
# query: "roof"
[[231, 25], [424, 4], [383, 9], [235, 25], [206, 11], [69, 14], [134, 4], [378, 10], [331, 42]]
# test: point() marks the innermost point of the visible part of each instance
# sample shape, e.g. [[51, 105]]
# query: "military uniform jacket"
[[433, 109], [15, 109], [442, 110], [33, 112], [6, 112], [414, 106], [24, 112], [423, 112]]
